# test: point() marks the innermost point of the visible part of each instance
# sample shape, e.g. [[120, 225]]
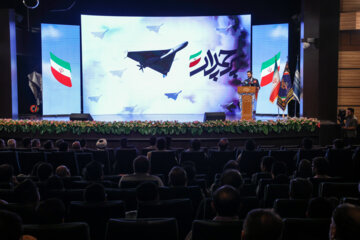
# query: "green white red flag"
[[275, 83], [267, 70], [61, 70]]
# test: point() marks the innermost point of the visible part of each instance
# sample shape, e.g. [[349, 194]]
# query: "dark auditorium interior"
[[287, 185]]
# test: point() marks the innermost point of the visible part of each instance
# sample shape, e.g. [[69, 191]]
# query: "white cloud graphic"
[[50, 32], [279, 32]]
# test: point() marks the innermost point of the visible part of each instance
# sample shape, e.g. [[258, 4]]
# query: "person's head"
[[83, 143], [262, 224], [94, 193], [35, 143], [300, 188], [350, 112], [62, 171], [141, 164], [94, 171], [6, 173], [152, 141], [319, 208], [11, 143], [304, 169], [161, 143], [278, 168], [223, 144], [48, 145], [232, 177], [249, 74], [2, 143], [35, 169], [345, 223], [124, 142], [231, 164], [10, 226], [250, 145], [320, 166], [266, 163], [58, 142], [50, 211], [63, 147], [168, 142], [26, 192], [54, 183], [177, 177], [147, 192], [307, 143], [190, 170], [26, 142], [76, 145], [338, 144], [195, 144], [44, 171], [101, 143], [226, 201]]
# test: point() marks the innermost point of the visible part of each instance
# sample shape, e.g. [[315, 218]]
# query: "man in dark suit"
[[250, 81]]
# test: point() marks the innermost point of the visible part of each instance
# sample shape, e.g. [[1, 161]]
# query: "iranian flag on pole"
[[275, 84], [61, 70], [267, 70]]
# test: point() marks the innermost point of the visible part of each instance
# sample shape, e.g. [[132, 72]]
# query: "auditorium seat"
[[261, 187], [291, 208], [124, 160], [181, 209], [63, 158], [198, 158], [128, 196], [286, 156], [214, 230], [162, 162], [134, 184], [340, 163], [306, 228], [250, 161], [27, 160], [103, 157], [255, 178], [140, 229], [78, 231], [66, 196], [274, 191], [25, 211], [96, 215], [317, 181], [83, 158], [338, 190], [308, 154], [11, 158], [217, 160]]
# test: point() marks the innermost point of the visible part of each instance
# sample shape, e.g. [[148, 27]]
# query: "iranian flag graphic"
[[195, 59], [61, 70], [275, 84], [267, 70]]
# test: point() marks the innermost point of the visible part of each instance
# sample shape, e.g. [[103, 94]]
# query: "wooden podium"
[[247, 101]]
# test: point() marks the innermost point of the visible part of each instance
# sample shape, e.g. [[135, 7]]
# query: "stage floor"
[[152, 117]]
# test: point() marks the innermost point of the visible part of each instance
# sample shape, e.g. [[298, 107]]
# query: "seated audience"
[[11, 227], [94, 193], [320, 167], [300, 188], [147, 192], [11, 144], [63, 147], [54, 183], [58, 142], [304, 169], [250, 145], [35, 144], [177, 177], [319, 208], [226, 201], [101, 144], [124, 144], [26, 143], [62, 171], [35, 168], [27, 192], [195, 145], [307, 143], [94, 171], [44, 171], [223, 144], [279, 173], [160, 146], [152, 142], [7, 179], [262, 224], [51, 211], [2, 144], [76, 146], [141, 166], [265, 167], [345, 223], [83, 144], [231, 177], [48, 145], [190, 170]]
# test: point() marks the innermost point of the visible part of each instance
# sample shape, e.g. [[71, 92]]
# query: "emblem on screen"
[[61, 70]]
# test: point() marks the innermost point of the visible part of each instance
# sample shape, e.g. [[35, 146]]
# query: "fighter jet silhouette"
[[99, 34], [158, 60], [154, 28], [173, 95]]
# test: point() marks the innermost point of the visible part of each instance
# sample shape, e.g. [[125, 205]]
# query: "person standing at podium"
[[253, 82]]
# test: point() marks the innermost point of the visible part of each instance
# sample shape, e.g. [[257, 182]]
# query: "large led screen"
[[60, 46], [268, 41], [163, 65]]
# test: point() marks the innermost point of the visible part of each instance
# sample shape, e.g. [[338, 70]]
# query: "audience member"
[[279, 173], [83, 144], [26, 143], [7, 179], [141, 166], [63, 147], [10, 226], [345, 223], [27, 192], [262, 224], [94, 193], [266, 164], [168, 143], [307, 143], [11, 144], [94, 171], [76, 146], [177, 177], [223, 144], [48, 145], [152, 142], [160, 146], [54, 183], [101, 144], [195, 145], [232, 177], [124, 144], [319, 208], [320, 167], [51, 211], [62, 171], [250, 145], [304, 169], [231, 164], [35, 144], [190, 170], [58, 142], [44, 171], [147, 192], [2, 144], [35, 169], [226, 202], [300, 188]]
